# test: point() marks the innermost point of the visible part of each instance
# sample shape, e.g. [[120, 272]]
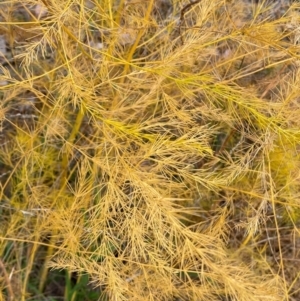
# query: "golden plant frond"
[[151, 145]]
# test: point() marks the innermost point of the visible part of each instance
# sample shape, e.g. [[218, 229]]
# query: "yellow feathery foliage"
[[149, 150]]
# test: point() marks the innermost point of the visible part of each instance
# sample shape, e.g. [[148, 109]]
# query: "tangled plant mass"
[[149, 150]]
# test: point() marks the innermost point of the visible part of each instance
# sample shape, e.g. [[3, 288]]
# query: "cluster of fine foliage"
[[149, 150]]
